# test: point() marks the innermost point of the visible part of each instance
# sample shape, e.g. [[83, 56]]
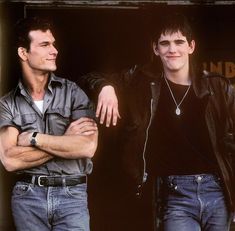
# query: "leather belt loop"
[[63, 182], [33, 180]]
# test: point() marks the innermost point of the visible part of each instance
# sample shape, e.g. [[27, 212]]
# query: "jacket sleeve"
[[230, 104], [93, 82]]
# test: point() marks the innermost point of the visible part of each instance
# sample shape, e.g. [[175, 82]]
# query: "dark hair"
[[171, 24], [24, 26]]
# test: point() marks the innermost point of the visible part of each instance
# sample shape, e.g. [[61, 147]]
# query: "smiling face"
[[174, 50], [41, 56]]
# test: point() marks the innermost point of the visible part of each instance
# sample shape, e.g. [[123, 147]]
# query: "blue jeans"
[[195, 203], [38, 208]]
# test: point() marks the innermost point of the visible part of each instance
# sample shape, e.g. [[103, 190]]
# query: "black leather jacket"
[[140, 88]]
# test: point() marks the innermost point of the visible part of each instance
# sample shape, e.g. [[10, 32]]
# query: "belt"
[[52, 181]]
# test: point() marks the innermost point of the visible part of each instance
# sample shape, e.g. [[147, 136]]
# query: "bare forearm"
[[17, 158], [79, 140], [68, 146]]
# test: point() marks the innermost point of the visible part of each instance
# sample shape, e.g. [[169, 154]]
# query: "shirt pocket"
[[26, 122], [58, 120]]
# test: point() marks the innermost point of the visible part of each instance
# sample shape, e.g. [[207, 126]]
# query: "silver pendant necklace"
[[177, 110]]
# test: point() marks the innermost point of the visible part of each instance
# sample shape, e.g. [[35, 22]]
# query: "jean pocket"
[[78, 191], [173, 188], [216, 183], [21, 189]]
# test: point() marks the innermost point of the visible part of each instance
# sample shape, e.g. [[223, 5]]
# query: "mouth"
[[172, 57], [51, 60]]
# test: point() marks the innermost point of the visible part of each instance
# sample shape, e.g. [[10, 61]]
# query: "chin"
[[173, 68], [52, 68]]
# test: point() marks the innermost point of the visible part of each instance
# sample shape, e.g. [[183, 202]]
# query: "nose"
[[54, 51], [172, 47]]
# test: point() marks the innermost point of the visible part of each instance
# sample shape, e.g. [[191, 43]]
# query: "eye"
[[164, 43], [44, 44], [179, 42]]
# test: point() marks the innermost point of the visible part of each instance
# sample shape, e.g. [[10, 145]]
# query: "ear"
[[22, 53], [191, 46], [155, 50]]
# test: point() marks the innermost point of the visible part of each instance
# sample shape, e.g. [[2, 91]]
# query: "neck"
[[36, 84], [179, 77]]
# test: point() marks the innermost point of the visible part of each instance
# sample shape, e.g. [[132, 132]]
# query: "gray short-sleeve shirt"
[[63, 102]]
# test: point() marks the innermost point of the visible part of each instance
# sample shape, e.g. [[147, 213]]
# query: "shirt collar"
[[53, 82]]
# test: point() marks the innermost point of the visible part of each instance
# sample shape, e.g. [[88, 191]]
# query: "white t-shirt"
[[39, 104]]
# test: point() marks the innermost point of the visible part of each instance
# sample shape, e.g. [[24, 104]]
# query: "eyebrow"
[[180, 40], [47, 42], [167, 41], [164, 41]]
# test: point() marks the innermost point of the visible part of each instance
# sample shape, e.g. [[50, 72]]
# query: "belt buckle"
[[39, 181]]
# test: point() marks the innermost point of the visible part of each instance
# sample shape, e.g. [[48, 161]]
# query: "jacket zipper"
[[145, 174]]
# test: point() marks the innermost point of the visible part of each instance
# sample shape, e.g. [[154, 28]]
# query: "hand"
[[24, 139], [82, 126], [108, 106]]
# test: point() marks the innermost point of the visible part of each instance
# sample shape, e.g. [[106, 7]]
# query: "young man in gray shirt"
[[47, 136]]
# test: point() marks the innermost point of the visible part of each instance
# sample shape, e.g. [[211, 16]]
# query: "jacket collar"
[[200, 80], [200, 83]]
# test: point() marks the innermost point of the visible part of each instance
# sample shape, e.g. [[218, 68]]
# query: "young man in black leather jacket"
[[177, 127]]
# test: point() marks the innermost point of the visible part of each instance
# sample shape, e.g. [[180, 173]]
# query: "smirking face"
[[42, 53], [174, 50]]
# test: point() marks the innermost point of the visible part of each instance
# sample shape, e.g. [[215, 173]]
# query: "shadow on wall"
[[6, 184]]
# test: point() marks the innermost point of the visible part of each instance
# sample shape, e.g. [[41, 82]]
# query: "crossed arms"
[[78, 141]]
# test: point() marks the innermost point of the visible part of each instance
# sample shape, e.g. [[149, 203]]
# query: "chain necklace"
[[177, 110]]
